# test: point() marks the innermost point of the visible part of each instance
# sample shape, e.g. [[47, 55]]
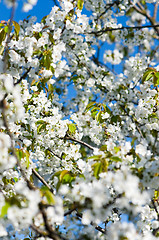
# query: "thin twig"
[[108, 29], [23, 76], [107, 7], [140, 9], [54, 153], [42, 180], [156, 209], [68, 137], [155, 11], [69, 212], [39, 231], [102, 230], [51, 233]]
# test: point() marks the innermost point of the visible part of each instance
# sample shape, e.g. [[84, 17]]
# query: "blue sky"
[[42, 8]]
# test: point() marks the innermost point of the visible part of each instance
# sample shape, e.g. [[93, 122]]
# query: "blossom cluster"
[[79, 142]]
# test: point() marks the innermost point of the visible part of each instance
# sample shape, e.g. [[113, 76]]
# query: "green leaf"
[[2, 36], [148, 74], [103, 148], [117, 149], [58, 185], [90, 105], [156, 79], [40, 121], [17, 27], [68, 178], [72, 128], [104, 163], [62, 174], [57, 174], [157, 74], [48, 61], [99, 117], [133, 141], [115, 159], [97, 169], [27, 159], [20, 154], [6, 28], [115, 119], [74, 79], [41, 127], [49, 195], [95, 157], [106, 109], [4, 209], [80, 4], [51, 39]]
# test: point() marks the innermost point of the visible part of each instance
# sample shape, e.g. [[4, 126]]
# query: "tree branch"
[[140, 9], [51, 233], [68, 137], [79, 215], [155, 11], [121, 28], [100, 229], [42, 180], [107, 7], [23, 76], [54, 153]]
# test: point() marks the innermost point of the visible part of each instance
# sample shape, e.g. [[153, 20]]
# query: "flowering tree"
[[80, 166]]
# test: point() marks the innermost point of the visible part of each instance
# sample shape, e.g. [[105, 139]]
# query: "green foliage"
[[41, 125], [80, 4], [23, 155], [99, 167], [97, 109], [64, 177], [151, 73], [2, 35], [49, 195], [4, 209], [72, 128], [16, 27]]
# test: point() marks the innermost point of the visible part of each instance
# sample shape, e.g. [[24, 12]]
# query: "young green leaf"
[[80, 4]]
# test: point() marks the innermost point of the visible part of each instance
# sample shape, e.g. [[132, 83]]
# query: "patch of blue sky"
[[40, 10]]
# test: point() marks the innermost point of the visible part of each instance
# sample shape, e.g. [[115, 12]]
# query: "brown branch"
[[107, 7], [140, 9], [100, 229], [39, 231], [69, 212], [42, 180], [54, 153], [155, 11], [108, 29], [68, 137], [156, 209], [79, 215], [51, 233], [23, 76]]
